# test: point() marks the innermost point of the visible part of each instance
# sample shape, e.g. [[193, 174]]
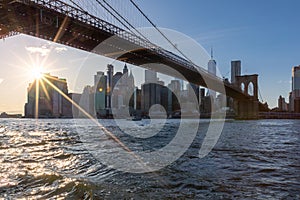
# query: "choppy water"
[[252, 160]]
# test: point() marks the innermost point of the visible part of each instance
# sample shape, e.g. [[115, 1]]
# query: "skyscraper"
[[100, 86], [193, 90], [212, 69], [175, 89], [212, 64], [282, 105], [125, 69], [110, 73], [296, 78], [295, 94], [235, 69], [123, 89], [87, 102], [150, 76]]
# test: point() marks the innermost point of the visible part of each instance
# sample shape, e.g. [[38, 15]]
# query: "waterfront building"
[[175, 86], [115, 80], [150, 96], [110, 73], [296, 80], [193, 89], [100, 89], [73, 109], [123, 88], [175, 94], [150, 91], [44, 100], [154, 91], [282, 105], [87, 102], [58, 101], [295, 94], [166, 101]]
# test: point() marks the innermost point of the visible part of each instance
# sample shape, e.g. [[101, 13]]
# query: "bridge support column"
[[246, 109]]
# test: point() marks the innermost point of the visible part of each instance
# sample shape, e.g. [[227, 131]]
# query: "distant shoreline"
[[261, 116], [279, 115]]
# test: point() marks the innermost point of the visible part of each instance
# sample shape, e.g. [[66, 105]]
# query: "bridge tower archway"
[[247, 108], [251, 89], [248, 80]]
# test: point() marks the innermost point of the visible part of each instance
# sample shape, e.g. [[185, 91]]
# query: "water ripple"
[[47, 160]]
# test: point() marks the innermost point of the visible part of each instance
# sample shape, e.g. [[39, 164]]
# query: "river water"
[[46, 159]]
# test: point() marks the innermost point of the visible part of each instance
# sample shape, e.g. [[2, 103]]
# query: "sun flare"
[[37, 73]]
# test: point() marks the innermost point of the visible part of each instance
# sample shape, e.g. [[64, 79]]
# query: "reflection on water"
[[252, 159]]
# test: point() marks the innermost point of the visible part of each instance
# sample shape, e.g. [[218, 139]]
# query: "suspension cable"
[[136, 6], [174, 46], [77, 5], [101, 4], [260, 94], [106, 10], [125, 20]]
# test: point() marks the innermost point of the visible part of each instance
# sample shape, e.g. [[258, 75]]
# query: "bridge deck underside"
[[48, 24]]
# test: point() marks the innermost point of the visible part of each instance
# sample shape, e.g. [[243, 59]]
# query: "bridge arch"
[[242, 87], [250, 89], [250, 83]]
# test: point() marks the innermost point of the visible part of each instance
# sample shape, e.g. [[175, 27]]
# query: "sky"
[[264, 35]]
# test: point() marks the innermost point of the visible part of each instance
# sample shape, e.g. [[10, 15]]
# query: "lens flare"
[[37, 73]]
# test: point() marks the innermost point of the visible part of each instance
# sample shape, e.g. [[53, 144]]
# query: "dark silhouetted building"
[[110, 73], [45, 100], [282, 105], [175, 90], [100, 88]]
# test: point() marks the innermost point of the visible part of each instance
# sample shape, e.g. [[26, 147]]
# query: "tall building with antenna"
[[212, 69], [212, 64]]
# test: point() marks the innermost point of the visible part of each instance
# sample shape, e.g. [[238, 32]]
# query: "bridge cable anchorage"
[[172, 44], [115, 11]]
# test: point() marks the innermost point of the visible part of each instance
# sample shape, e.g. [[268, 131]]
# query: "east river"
[[47, 159]]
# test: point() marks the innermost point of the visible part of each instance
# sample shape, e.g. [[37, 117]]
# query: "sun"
[[37, 73]]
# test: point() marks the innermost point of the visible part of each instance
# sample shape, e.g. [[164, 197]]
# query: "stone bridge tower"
[[247, 108]]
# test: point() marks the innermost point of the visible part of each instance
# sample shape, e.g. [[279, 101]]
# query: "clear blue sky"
[[264, 35]]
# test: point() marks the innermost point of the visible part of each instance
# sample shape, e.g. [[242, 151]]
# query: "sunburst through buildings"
[[48, 97]]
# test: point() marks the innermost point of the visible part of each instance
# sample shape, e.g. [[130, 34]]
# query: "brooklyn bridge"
[[77, 24]]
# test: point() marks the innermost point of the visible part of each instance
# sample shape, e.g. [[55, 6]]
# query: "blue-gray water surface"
[[46, 159]]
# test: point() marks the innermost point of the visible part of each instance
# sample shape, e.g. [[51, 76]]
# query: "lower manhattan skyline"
[[266, 43]]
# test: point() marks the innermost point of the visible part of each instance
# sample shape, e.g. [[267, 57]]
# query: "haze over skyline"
[[263, 35]]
